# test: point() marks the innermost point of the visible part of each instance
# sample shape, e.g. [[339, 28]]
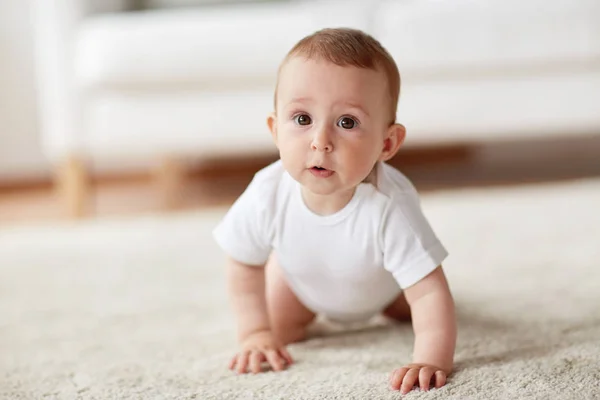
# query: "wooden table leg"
[[170, 178], [73, 185]]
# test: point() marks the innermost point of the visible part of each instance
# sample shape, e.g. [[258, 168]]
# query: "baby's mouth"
[[321, 172]]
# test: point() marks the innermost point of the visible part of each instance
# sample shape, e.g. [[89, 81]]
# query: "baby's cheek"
[[363, 156], [293, 141], [291, 157]]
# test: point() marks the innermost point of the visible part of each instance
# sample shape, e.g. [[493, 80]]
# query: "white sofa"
[[198, 82]]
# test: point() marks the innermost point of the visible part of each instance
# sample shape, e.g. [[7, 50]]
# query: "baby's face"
[[330, 124]]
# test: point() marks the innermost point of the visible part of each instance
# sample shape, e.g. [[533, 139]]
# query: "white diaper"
[[348, 319], [370, 306]]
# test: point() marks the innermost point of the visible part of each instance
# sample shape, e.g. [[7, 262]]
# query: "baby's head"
[[335, 109]]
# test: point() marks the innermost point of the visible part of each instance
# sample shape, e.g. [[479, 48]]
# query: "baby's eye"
[[302, 119], [347, 123]]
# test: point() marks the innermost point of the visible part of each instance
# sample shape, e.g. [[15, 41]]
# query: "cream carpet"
[[136, 308]]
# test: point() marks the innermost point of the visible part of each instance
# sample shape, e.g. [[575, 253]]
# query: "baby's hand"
[[257, 348], [407, 377]]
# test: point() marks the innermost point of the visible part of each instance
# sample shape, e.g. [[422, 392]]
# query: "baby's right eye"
[[302, 119]]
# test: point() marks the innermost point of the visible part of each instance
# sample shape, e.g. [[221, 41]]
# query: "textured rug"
[[136, 308]]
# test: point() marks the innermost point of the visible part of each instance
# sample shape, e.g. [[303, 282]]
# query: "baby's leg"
[[289, 317], [398, 309]]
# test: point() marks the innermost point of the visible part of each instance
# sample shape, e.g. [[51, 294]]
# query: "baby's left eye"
[[347, 123]]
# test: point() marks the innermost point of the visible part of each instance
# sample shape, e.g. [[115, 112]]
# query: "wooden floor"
[[451, 167]]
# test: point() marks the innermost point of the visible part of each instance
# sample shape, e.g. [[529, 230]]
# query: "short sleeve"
[[244, 231], [411, 250]]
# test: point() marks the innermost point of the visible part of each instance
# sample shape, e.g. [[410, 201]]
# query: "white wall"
[[20, 153]]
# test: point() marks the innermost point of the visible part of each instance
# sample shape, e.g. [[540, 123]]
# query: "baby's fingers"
[[233, 362], [242, 362], [256, 359], [397, 377], [409, 380], [425, 377], [274, 360], [440, 379], [286, 356]]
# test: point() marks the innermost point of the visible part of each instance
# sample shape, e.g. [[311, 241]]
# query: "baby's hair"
[[350, 47]]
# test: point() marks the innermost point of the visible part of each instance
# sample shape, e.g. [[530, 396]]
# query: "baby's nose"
[[322, 142]]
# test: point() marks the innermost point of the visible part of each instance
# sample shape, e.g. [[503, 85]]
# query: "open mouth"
[[321, 172]]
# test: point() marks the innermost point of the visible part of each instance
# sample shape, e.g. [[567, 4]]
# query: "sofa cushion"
[[107, 6], [466, 36], [150, 4], [237, 44], [201, 124]]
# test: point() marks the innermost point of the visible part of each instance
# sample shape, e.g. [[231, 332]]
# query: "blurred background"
[[114, 107]]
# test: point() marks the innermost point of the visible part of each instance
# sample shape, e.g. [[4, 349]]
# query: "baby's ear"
[[393, 141], [272, 124]]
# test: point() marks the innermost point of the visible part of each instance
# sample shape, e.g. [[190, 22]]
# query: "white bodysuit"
[[349, 265]]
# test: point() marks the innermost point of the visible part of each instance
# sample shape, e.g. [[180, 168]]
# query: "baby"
[[330, 228]]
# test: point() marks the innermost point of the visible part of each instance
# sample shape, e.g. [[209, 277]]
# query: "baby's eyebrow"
[[301, 100], [308, 100], [358, 107]]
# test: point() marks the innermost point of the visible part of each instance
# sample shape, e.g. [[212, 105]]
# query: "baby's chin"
[[320, 191], [330, 188]]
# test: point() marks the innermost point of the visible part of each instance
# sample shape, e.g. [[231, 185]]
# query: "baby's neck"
[[327, 204]]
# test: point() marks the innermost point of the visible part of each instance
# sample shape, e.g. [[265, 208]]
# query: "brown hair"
[[349, 47]]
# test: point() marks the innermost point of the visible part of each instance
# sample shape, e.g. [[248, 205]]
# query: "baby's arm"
[[247, 293], [434, 324]]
